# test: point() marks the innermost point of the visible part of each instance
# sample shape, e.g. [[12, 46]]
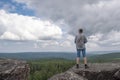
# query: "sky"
[[51, 25]]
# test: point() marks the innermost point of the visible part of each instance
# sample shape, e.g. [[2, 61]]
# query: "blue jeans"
[[83, 52]]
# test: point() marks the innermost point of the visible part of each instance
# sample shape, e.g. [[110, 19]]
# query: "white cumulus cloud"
[[19, 27]]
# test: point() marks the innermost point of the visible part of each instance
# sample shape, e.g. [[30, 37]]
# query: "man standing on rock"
[[80, 41]]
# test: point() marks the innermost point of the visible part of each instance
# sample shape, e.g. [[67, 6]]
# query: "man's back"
[[80, 41]]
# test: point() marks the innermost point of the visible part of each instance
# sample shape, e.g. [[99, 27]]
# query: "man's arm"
[[85, 39], [75, 39]]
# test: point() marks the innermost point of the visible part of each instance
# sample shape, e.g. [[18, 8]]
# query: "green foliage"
[[45, 68]]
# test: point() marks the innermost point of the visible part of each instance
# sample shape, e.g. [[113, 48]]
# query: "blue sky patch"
[[14, 7]]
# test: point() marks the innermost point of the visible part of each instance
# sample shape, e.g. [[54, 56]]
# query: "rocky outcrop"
[[97, 71], [13, 69]]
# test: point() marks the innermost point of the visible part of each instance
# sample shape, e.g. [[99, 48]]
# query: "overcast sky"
[[51, 25]]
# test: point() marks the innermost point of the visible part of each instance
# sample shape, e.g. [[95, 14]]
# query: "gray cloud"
[[93, 15]]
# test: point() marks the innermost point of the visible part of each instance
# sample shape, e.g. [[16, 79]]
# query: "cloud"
[[100, 41], [59, 21], [92, 15], [99, 18], [19, 27]]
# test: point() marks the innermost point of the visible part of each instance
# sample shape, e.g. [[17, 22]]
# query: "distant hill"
[[65, 55], [105, 57], [41, 55]]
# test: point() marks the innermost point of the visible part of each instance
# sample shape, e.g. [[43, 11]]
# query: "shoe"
[[86, 66], [77, 66]]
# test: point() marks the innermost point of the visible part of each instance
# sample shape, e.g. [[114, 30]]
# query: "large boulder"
[[13, 69], [97, 71]]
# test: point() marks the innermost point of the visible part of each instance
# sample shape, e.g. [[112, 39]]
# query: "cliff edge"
[[97, 71], [13, 69]]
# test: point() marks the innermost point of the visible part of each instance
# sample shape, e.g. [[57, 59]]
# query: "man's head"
[[80, 30]]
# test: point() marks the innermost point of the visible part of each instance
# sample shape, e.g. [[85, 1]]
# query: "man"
[[80, 41]]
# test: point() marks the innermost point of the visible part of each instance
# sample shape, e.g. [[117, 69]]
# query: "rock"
[[97, 71], [117, 75], [13, 69], [68, 75]]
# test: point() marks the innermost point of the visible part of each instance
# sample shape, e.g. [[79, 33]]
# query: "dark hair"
[[80, 30]]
